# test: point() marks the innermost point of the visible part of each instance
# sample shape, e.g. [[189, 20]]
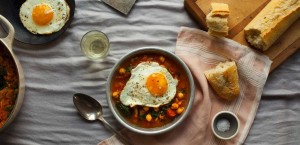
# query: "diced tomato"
[[171, 113]]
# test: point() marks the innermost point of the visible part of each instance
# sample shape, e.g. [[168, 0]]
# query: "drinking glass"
[[95, 45]]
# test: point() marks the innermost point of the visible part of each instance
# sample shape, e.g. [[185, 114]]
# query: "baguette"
[[271, 22], [224, 80], [216, 19]]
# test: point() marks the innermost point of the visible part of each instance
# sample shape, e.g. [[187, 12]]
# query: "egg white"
[[61, 15], [135, 91]]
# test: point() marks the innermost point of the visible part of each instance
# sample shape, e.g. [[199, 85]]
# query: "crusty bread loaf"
[[224, 80], [217, 21], [271, 22]]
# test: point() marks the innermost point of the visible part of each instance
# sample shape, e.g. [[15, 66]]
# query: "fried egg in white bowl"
[[44, 16], [150, 91], [153, 86]]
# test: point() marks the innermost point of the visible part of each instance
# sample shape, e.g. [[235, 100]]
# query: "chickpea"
[[122, 70], [175, 106], [146, 108], [148, 117], [116, 94], [162, 59], [161, 116], [180, 110], [180, 95]]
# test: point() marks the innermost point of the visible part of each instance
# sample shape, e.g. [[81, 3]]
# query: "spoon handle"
[[119, 135]]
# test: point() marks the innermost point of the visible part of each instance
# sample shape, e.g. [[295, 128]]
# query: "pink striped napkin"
[[200, 52]]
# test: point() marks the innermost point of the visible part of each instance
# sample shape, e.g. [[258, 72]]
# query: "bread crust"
[[271, 22], [219, 9], [224, 80], [216, 33]]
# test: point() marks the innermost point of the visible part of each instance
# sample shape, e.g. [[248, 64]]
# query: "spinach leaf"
[[2, 71], [128, 69], [154, 114], [142, 116], [182, 91], [2, 82], [124, 110], [9, 108], [2, 75]]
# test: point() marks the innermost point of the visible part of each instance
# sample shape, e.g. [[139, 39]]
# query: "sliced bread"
[[224, 80], [216, 20]]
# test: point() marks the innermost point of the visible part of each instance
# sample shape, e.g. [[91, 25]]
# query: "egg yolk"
[[42, 14], [157, 84]]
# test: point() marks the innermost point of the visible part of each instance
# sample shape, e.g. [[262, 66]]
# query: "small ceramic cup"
[[225, 125]]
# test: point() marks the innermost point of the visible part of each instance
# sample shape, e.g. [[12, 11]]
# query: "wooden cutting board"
[[241, 13]]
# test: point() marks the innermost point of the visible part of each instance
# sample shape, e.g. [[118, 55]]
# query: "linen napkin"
[[200, 52]]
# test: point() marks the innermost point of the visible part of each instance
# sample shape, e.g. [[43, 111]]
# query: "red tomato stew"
[[150, 117], [8, 85]]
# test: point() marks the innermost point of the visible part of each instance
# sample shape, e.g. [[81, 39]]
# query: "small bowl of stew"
[[150, 90]]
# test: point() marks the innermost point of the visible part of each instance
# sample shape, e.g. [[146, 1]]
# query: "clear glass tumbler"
[[95, 45]]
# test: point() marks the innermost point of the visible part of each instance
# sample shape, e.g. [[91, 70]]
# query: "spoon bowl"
[[88, 107], [91, 110]]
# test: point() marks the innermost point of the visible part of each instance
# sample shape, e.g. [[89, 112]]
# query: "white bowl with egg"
[[135, 93]]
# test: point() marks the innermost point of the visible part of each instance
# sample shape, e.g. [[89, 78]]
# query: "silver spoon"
[[91, 110]]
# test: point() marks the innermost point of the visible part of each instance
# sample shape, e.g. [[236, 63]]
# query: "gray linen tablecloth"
[[56, 70]]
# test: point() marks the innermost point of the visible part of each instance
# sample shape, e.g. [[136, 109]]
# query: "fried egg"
[[149, 85], [44, 16]]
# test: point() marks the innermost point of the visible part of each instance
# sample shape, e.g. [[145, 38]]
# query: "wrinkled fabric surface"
[[56, 70]]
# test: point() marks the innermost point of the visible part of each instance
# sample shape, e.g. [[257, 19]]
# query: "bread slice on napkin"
[[224, 80]]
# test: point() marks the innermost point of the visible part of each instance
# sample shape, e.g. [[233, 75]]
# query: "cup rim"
[[95, 31], [214, 119]]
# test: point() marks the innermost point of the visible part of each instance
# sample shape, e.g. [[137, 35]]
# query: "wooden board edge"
[[279, 59], [196, 13]]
